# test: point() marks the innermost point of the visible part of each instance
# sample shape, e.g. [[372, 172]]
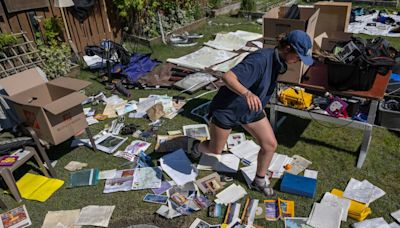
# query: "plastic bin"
[[388, 118]]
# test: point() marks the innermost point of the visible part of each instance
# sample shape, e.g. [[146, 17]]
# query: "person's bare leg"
[[218, 138], [265, 137]]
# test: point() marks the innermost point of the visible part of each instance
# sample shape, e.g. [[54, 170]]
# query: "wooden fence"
[[98, 26]]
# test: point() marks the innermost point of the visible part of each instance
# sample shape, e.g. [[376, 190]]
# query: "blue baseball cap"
[[301, 42]]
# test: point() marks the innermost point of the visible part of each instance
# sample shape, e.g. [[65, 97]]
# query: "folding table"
[[316, 79]]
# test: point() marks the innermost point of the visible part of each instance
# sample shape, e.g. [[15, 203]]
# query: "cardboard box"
[[333, 17], [53, 109], [274, 24], [328, 40]]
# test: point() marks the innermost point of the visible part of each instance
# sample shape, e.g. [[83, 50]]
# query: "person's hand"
[[253, 101]]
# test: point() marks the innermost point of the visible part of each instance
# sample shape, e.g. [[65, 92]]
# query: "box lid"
[[70, 83], [60, 105], [22, 81]]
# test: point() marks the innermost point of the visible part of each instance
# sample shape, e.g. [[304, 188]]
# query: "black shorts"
[[229, 127]]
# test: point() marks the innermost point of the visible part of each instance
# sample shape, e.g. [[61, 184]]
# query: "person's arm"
[[232, 82]]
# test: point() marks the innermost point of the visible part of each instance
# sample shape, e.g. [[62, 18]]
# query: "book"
[[8, 160], [298, 185], [16, 218], [278, 209], [84, 177], [37, 187]]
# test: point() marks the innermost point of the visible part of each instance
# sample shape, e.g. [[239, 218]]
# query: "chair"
[[6, 172]]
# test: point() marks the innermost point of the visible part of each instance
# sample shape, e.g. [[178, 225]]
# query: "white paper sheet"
[[325, 216], [333, 200], [107, 174], [227, 42], [248, 36], [372, 223], [247, 150], [61, 219], [311, 173], [178, 166], [298, 164], [91, 120], [230, 194], [362, 191], [229, 163], [277, 165], [95, 216], [396, 215], [394, 225], [205, 57], [75, 165], [146, 178]]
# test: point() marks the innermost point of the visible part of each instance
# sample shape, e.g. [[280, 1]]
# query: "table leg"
[[90, 136], [11, 184], [367, 134]]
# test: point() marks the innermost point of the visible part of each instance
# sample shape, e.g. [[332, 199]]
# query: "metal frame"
[[365, 127]]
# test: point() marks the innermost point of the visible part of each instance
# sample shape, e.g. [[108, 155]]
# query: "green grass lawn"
[[333, 152]]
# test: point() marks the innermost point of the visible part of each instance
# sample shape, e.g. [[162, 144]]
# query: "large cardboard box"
[[274, 24], [328, 40], [333, 17], [53, 109]]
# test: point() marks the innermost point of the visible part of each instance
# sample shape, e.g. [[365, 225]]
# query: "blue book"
[[298, 185]]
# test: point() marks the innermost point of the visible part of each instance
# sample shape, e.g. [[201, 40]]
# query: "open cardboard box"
[[333, 17], [328, 40], [274, 24], [53, 109]]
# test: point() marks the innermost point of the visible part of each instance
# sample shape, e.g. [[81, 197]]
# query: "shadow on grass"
[[289, 133], [150, 220]]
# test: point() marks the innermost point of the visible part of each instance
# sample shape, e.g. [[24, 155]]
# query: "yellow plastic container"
[[358, 211], [295, 98]]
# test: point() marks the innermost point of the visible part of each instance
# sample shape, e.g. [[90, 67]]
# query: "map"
[[148, 177]]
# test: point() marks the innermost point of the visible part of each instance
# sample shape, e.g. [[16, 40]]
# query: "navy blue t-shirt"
[[258, 73]]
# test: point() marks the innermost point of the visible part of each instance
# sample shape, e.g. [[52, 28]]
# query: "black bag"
[[361, 73]]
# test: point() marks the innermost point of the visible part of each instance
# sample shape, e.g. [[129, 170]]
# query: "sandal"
[[268, 191]]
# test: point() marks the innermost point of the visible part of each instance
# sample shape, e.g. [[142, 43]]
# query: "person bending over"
[[248, 88]]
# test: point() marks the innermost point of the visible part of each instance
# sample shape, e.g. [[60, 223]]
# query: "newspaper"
[[60, 219]]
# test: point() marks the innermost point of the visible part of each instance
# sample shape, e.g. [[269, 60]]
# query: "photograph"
[[152, 198], [109, 143], [197, 131], [296, 223]]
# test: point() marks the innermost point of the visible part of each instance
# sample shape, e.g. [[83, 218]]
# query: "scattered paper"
[[396, 215], [299, 164], [277, 165], [91, 120], [325, 216], [394, 225], [176, 132], [168, 212], [335, 201], [147, 177], [362, 191], [122, 181], [107, 174], [178, 166], [60, 219], [372, 223], [165, 185], [235, 139], [95, 216], [311, 173], [229, 163], [133, 150], [75, 165], [247, 150], [198, 223], [230, 194], [197, 131]]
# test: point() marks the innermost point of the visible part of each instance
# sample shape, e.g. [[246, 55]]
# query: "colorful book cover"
[[8, 160], [16, 218], [271, 210], [286, 208]]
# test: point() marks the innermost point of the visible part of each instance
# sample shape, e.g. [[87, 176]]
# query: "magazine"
[[15, 218]]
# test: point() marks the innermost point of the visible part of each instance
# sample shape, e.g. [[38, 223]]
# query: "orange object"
[[100, 117], [288, 166]]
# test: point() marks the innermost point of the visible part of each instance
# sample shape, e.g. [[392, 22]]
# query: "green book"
[[84, 177]]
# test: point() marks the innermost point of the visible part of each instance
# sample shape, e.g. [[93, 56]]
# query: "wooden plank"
[[98, 20], [14, 24], [4, 26], [104, 21], [73, 31], [80, 32], [25, 25], [92, 26], [110, 21]]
